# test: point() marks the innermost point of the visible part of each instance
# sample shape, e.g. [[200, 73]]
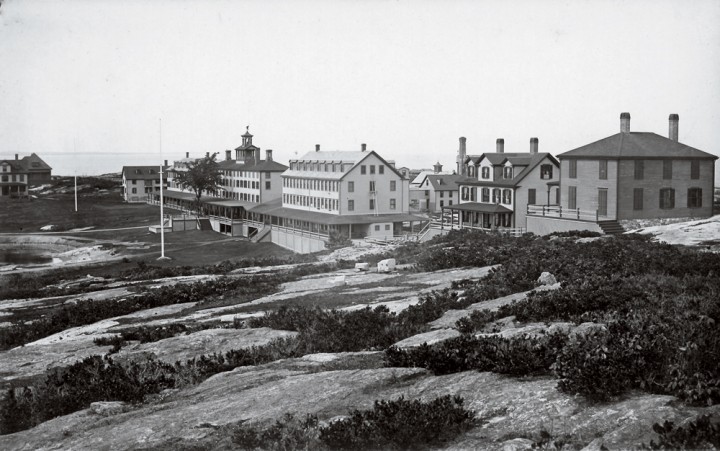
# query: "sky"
[[92, 85]]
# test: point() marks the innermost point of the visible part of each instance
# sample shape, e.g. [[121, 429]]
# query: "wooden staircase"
[[611, 227], [204, 224]]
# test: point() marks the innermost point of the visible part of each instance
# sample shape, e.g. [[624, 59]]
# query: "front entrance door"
[[602, 202]]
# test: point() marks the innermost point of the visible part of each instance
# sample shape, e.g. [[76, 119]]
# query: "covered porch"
[[479, 216]]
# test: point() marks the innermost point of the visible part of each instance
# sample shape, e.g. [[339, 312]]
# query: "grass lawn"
[[99, 211]]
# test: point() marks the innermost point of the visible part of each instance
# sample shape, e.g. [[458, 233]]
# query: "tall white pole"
[[162, 216], [75, 151]]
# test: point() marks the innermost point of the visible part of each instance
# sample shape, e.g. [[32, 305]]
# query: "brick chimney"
[[165, 164], [257, 156], [363, 147], [16, 156], [228, 154], [462, 153], [187, 154], [500, 145], [268, 155], [674, 122], [624, 122], [317, 147], [533, 145]]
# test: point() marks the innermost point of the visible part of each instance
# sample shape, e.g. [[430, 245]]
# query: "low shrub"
[[701, 433], [396, 424], [518, 356]]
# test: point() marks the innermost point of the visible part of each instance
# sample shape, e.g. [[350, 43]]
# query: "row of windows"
[[14, 178], [250, 184], [246, 174], [363, 169], [371, 186], [546, 172], [311, 184], [147, 182], [319, 166], [372, 204], [498, 195], [242, 196], [320, 203], [638, 170], [666, 199]]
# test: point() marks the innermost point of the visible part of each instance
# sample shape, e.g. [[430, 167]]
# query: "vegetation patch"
[[395, 424]]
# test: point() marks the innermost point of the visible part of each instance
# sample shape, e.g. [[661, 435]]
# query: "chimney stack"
[[165, 164], [16, 156], [624, 122], [228, 154], [500, 145], [674, 122], [363, 147], [207, 154], [187, 154], [317, 147], [268, 154], [462, 153], [257, 156], [533, 145]]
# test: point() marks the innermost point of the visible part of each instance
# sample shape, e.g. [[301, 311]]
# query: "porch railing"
[[557, 211]]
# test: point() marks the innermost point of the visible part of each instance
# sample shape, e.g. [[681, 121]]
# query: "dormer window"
[[508, 172], [546, 171], [485, 172]]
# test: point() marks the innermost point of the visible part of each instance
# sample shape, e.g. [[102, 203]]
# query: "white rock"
[[547, 279], [47, 228], [387, 265], [108, 408], [362, 266]]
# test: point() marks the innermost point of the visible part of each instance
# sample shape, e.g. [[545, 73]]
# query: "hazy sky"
[[83, 83]]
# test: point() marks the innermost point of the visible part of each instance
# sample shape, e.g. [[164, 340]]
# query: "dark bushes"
[[398, 424], [701, 433]]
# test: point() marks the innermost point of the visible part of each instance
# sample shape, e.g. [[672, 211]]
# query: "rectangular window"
[[486, 195], [351, 205], [381, 169], [442, 193], [695, 169], [387, 226], [363, 169], [267, 184], [667, 198], [572, 197], [377, 227], [531, 196], [637, 199], [134, 190], [392, 204], [507, 196], [372, 204], [573, 169], [372, 168], [427, 192], [351, 187], [667, 169], [639, 169], [14, 178], [134, 182], [603, 170], [392, 185], [497, 195], [372, 186], [485, 172], [694, 197]]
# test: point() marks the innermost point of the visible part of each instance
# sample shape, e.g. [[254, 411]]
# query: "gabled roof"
[[441, 182], [480, 207], [474, 158], [14, 165], [530, 161], [143, 172], [420, 178], [635, 145], [354, 157], [267, 165]]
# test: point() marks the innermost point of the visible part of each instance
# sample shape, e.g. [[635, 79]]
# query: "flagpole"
[[162, 215], [75, 152]]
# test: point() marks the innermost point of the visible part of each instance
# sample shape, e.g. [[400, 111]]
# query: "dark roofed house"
[[500, 187], [631, 175], [138, 182]]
